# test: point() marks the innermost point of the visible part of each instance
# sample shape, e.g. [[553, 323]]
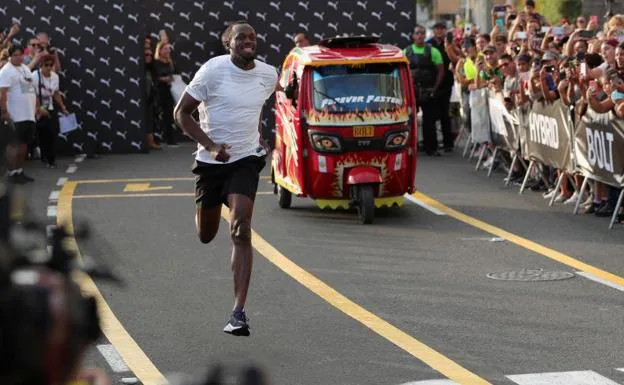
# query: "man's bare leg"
[[207, 223], [241, 209]]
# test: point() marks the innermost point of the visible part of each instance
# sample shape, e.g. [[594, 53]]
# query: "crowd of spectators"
[[524, 59]]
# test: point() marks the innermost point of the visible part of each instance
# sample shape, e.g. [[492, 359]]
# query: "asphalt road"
[[406, 299]]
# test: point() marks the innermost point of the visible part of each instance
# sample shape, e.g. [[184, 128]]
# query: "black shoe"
[[26, 177], [237, 326], [448, 149], [539, 187], [591, 209], [605, 210], [17, 179]]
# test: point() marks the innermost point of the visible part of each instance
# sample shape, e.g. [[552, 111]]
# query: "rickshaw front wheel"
[[284, 197], [366, 204]]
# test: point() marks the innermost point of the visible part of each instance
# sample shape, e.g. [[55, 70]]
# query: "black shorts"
[[214, 182], [25, 131]]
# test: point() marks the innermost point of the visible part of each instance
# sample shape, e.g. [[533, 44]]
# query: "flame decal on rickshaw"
[[328, 118], [354, 160]]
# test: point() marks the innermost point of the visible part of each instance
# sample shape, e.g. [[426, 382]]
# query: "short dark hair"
[[506, 56], [418, 26], [227, 34], [486, 36], [14, 48], [530, 3], [501, 39]]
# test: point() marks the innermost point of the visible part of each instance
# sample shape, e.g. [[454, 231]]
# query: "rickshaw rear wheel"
[[284, 197], [366, 204]]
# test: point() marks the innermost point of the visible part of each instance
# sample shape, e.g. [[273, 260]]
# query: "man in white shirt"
[[18, 106], [230, 91]]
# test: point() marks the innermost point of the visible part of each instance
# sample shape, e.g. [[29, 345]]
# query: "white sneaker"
[[572, 200], [550, 194], [560, 198]]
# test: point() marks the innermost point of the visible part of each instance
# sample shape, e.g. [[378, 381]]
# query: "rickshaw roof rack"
[[349, 41]]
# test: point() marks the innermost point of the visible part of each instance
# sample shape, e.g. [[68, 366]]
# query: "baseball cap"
[[439, 24]]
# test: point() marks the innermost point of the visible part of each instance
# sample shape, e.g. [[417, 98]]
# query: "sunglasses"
[[419, 33], [48, 64]]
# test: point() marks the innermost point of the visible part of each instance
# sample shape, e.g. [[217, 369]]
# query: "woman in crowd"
[[163, 70], [46, 83], [151, 101]]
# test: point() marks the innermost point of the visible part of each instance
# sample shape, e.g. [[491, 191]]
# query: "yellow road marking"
[[520, 241], [137, 180], [142, 187], [419, 350], [129, 350], [152, 195]]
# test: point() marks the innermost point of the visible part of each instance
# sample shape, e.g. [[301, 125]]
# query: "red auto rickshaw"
[[345, 126]]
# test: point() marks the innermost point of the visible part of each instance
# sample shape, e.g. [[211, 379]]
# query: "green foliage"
[[554, 10]]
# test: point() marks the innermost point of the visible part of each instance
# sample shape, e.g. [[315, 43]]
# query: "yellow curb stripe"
[[129, 350], [522, 242]]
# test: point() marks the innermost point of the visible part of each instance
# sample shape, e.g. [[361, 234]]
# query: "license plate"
[[363, 131]]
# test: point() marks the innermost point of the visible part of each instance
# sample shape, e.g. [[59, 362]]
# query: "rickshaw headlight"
[[397, 139], [325, 143]]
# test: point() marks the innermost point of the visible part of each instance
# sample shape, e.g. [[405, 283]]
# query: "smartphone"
[[521, 35], [550, 69], [501, 24], [449, 37], [468, 30], [545, 29], [500, 8], [593, 19], [583, 70], [540, 35], [562, 75], [585, 34]]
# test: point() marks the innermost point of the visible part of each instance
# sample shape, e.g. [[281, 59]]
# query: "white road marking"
[[600, 280], [54, 195], [61, 181], [72, 169], [586, 377], [129, 380], [52, 211], [80, 158], [423, 205], [113, 358], [432, 382], [620, 369]]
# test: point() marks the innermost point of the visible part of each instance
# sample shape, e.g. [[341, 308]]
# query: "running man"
[[230, 91]]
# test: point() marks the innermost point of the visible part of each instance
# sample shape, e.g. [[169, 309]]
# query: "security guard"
[[427, 67]]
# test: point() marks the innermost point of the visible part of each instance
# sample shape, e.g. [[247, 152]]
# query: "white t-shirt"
[[48, 87], [231, 103], [21, 96]]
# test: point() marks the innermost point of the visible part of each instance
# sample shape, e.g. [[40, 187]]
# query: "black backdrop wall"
[[101, 46]]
